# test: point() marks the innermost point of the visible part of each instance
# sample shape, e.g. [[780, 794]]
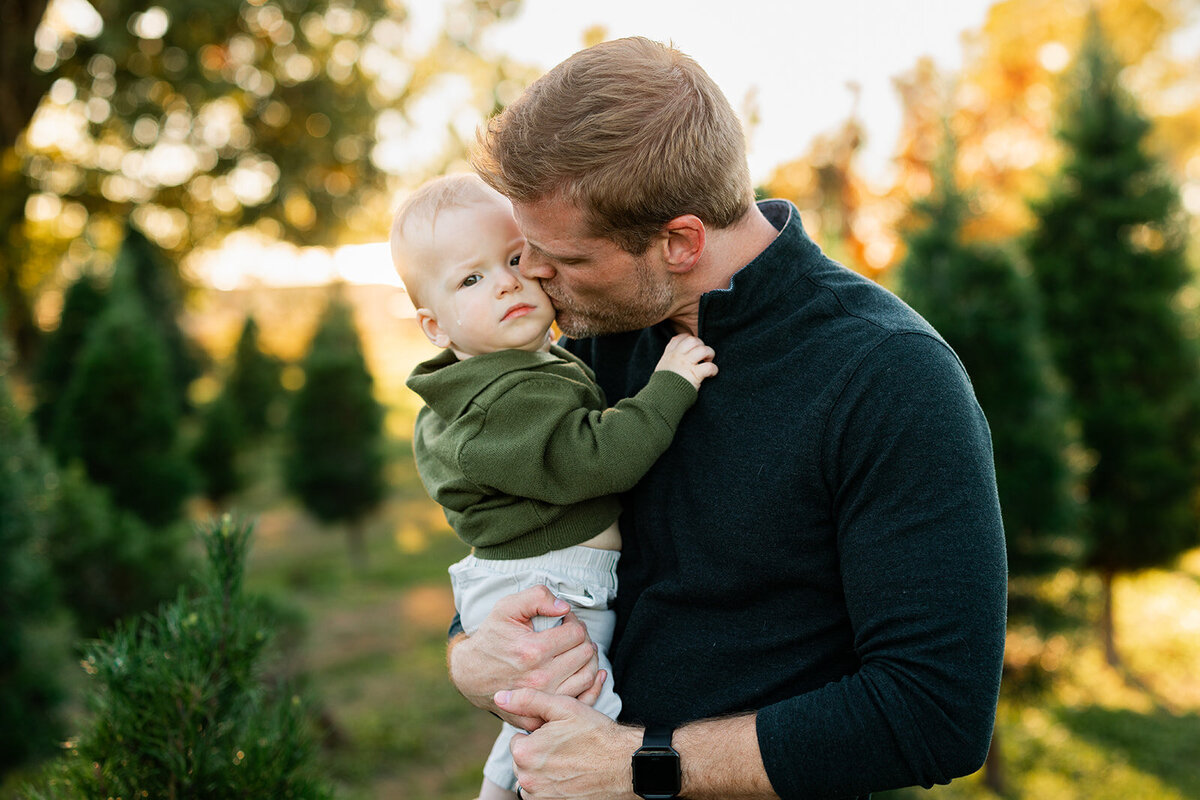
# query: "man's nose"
[[533, 267]]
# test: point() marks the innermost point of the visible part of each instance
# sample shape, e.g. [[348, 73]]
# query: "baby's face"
[[477, 300]]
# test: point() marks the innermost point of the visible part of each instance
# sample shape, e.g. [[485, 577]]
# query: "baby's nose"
[[510, 281]]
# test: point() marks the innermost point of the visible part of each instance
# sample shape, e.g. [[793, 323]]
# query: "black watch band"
[[658, 736], [656, 770]]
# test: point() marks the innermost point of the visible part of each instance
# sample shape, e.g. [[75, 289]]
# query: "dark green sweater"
[[522, 454], [822, 540]]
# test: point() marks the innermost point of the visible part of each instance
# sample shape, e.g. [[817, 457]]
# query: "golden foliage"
[[1002, 108]]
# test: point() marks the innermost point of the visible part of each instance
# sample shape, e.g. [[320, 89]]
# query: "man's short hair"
[[631, 131], [422, 208]]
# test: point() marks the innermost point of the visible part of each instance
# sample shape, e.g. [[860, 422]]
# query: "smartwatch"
[[656, 772]]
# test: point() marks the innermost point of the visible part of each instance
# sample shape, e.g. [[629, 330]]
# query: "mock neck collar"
[[770, 275]]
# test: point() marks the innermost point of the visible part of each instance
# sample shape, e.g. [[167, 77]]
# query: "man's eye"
[[470, 280]]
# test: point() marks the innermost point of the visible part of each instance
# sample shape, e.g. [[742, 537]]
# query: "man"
[[812, 586]]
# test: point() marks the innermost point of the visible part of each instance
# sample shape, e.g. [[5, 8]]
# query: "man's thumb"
[[532, 703], [536, 601]]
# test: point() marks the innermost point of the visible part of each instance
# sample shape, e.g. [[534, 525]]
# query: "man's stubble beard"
[[648, 304]]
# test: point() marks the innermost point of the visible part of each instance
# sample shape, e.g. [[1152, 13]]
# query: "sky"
[[798, 57]]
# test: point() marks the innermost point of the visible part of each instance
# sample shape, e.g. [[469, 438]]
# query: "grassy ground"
[[373, 644]]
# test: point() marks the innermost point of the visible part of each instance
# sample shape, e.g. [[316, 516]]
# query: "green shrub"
[[182, 705], [215, 452], [254, 383], [109, 563], [29, 691], [120, 417]]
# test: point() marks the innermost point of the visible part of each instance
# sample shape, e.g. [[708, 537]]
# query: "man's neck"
[[726, 251]]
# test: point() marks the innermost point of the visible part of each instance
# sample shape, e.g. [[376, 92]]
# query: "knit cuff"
[[670, 394]]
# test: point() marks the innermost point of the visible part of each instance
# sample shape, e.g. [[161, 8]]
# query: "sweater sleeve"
[[538, 442], [909, 469]]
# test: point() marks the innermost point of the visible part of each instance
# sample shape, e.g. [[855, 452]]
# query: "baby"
[[515, 441]]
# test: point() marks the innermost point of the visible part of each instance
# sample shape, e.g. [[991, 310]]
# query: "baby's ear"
[[428, 322]]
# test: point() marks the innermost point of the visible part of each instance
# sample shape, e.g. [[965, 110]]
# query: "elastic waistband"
[[576, 557]]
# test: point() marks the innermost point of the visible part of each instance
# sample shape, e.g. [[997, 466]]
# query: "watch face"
[[656, 774]]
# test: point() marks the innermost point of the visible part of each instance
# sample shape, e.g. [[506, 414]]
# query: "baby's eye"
[[515, 260], [470, 280]]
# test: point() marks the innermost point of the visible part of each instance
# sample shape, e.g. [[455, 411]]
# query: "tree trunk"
[[18, 316], [1106, 621], [21, 89], [995, 777], [21, 86], [356, 539]]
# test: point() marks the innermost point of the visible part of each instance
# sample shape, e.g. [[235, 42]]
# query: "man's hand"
[[505, 652], [688, 356], [575, 752]]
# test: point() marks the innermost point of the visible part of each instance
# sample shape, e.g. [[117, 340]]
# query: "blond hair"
[[422, 208], [632, 132]]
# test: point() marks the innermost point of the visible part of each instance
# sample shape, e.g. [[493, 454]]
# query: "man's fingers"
[[536, 601], [527, 724], [530, 703], [590, 697], [561, 638]]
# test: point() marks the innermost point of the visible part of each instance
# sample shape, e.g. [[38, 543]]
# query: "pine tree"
[[987, 310], [1108, 255], [215, 451], [182, 706], [29, 692], [158, 282], [108, 563], [334, 436], [119, 415], [83, 303], [254, 382]]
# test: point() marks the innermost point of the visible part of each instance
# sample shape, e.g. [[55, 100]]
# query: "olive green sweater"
[[522, 454]]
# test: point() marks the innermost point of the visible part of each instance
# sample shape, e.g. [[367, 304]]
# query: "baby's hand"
[[688, 356]]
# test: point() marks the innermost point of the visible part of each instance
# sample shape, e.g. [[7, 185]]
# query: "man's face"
[[596, 286]]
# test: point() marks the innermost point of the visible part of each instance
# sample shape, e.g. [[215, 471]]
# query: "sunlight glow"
[[247, 259], [150, 24]]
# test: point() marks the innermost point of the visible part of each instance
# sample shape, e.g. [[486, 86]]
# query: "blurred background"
[[200, 318]]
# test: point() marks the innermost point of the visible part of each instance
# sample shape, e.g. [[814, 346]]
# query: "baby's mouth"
[[519, 310]]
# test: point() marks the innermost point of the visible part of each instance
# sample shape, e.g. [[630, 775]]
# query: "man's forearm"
[[721, 761]]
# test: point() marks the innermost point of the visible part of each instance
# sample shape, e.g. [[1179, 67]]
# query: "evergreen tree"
[[161, 288], [182, 706], [254, 382], [1108, 255], [215, 451], [986, 308], [119, 415], [83, 303], [29, 692], [334, 436], [109, 565]]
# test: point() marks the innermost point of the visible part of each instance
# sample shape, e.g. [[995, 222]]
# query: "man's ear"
[[684, 242], [429, 324]]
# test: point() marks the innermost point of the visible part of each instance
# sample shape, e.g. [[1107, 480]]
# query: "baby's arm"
[[578, 453]]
